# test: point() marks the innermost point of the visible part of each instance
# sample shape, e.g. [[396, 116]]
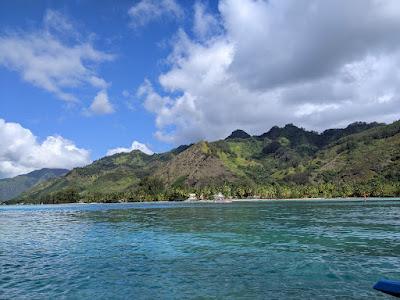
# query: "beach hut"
[[192, 197], [219, 197]]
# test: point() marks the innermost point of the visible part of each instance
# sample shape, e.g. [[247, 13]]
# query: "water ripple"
[[270, 250]]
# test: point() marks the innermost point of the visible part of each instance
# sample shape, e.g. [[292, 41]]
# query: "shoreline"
[[353, 199], [358, 199], [227, 201]]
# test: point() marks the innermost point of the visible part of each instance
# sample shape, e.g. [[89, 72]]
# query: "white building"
[[192, 197], [219, 197]]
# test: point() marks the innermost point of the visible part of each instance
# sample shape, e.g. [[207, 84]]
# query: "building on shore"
[[219, 197], [192, 197]]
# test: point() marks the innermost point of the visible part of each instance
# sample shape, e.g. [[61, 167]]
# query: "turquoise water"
[[269, 250]]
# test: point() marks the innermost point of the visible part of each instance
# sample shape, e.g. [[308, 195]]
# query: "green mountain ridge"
[[361, 159], [13, 187]]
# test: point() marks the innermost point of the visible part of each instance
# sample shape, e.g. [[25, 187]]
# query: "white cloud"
[[130, 100], [204, 23], [135, 146], [46, 60], [101, 105], [284, 42], [54, 21], [21, 152], [147, 11], [317, 64]]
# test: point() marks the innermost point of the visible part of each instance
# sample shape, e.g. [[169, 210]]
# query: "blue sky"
[[82, 79], [138, 55]]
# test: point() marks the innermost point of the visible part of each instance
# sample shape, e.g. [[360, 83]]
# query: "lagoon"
[[241, 250]]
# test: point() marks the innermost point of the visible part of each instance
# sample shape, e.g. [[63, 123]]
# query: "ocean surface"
[[265, 250]]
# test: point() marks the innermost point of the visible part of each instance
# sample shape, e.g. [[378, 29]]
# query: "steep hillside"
[[196, 166], [371, 154], [283, 162], [110, 174], [13, 187]]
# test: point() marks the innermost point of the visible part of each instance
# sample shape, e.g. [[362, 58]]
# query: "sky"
[[83, 79]]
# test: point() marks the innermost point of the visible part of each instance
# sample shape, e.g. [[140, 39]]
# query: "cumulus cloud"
[[101, 104], [301, 41], [146, 11], [47, 60], [135, 146], [21, 152], [317, 64]]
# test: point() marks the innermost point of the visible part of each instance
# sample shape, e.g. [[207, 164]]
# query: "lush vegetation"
[[362, 160], [154, 190]]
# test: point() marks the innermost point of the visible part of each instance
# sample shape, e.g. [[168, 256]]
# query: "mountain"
[[238, 134], [359, 160], [196, 166], [13, 187]]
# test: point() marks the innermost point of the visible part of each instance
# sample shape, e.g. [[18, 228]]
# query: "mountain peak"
[[288, 129], [238, 134]]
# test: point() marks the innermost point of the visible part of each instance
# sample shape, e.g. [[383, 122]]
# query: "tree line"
[[153, 189]]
